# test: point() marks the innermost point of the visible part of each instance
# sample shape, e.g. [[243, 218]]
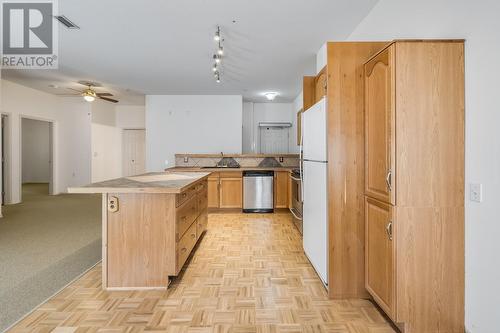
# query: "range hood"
[[275, 124]]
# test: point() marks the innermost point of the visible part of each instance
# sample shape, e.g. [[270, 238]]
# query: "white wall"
[[71, 119], [106, 152], [131, 116], [191, 124], [103, 112], [35, 151], [254, 113], [248, 143], [478, 23]]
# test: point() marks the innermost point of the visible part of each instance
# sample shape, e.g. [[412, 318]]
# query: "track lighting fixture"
[[217, 34], [217, 57]]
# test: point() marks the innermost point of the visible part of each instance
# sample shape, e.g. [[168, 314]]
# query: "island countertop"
[[153, 182]]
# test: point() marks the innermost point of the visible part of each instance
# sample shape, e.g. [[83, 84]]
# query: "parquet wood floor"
[[248, 274]]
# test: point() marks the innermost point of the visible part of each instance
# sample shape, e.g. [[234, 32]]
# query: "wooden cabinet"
[[281, 179], [231, 190], [320, 85], [213, 190], [150, 236], [414, 123], [379, 131], [379, 263], [346, 166]]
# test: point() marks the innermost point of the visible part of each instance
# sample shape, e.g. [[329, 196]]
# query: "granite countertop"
[[200, 169], [153, 182]]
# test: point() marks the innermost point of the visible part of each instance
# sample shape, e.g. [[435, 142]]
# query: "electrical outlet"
[[281, 159], [476, 192], [186, 159]]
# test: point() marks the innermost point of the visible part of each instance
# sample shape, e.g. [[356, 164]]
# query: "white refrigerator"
[[314, 185]]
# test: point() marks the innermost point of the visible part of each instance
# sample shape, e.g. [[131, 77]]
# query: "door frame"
[[52, 153]]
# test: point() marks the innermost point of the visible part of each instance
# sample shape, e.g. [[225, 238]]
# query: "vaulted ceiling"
[[135, 48]]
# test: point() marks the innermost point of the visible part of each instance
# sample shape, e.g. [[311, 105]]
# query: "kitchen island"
[[150, 225]]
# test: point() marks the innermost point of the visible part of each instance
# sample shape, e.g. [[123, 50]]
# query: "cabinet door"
[[379, 131], [231, 193], [281, 189], [379, 256], [320, 85], [213, 192]]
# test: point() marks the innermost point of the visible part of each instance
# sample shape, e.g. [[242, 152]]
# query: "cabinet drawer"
[[185, 196], [200, 187], [185, 245], [201, 223], [185, 216], [202, 198], [231, 174]]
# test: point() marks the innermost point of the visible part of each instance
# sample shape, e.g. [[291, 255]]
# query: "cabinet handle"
[[388, 180], [388, 229]]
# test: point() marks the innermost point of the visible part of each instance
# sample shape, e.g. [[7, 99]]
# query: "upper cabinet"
[[414, 186], [314, 88], [379, 126], [320, 85]]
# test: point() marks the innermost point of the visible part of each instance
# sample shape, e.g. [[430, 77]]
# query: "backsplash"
[[243, 161]]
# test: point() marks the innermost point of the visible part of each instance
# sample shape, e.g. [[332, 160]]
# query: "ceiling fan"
[[90, 94]]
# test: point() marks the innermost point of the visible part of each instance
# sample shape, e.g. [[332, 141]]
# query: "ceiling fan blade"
[[78, 91], [108, 99], [104, 94]]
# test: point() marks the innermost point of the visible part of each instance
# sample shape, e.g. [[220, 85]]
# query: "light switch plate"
[[476, 192]]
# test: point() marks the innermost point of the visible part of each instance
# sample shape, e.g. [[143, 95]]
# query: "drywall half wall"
[[35, 151], [191, 124], [477, 22]]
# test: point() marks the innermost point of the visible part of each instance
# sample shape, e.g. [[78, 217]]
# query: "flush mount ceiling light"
[[271, 95]]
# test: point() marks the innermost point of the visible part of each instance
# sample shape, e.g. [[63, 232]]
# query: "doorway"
[[36, 157], [134, 152]]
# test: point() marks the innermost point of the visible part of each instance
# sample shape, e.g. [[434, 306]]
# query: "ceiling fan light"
[[89, 95], [89, 98]]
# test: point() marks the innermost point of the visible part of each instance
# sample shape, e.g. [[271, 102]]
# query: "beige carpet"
[[45, 242]]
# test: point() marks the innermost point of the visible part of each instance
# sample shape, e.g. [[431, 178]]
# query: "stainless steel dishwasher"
[[258, 191]]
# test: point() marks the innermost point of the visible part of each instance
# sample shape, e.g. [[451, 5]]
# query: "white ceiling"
[[165, 47]]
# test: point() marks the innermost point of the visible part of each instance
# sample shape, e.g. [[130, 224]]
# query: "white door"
[[314, 132], [315, 226], [134, 152]]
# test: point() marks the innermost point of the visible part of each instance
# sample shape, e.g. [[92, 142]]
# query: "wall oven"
[[296, 208]]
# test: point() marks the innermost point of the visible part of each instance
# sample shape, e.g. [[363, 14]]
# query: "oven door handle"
[[294, 214]]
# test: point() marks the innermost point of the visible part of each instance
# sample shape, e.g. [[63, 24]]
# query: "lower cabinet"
[[231, 190], [281, 180], [380, 259], [213, 190]]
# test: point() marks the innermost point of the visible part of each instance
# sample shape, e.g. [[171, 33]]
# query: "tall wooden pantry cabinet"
[[414, 184]]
